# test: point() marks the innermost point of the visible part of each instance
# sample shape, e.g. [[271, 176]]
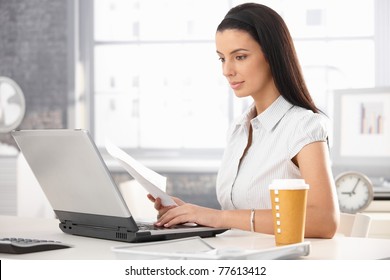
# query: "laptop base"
[[123, 235], [123, 229]]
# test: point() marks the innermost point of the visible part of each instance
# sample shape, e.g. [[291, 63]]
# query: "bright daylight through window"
[[156, 81]]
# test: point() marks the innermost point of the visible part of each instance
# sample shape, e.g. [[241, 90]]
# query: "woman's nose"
[[228, 69]]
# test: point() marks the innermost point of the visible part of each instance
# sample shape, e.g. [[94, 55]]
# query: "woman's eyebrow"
[[234, 51]]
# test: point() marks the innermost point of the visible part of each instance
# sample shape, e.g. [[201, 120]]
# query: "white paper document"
[[153, 182], [195, 248]]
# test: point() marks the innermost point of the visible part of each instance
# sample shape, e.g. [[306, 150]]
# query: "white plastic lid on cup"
[[288, 184]]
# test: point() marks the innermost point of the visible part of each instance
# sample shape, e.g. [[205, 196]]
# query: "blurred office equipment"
[[361, 135]]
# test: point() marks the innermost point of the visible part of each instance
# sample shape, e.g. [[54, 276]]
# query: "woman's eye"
[[221, 59], [240, 57]]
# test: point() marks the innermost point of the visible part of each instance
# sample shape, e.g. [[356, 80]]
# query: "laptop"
[[82, 192]]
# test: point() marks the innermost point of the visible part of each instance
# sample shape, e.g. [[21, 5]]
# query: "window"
[[155, 82], [335, 44], [157, 79]]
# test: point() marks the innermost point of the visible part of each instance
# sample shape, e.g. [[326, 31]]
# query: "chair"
[[140, 206], [354, 225]]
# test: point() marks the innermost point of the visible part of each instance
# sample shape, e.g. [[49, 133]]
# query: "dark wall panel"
[[34, 53]]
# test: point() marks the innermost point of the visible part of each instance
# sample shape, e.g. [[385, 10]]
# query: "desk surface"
[[339, 247]]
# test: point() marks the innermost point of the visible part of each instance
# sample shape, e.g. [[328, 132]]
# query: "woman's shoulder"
[[304, 122], [304, 116], [307, 127]]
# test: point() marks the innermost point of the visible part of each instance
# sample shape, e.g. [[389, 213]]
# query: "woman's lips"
[[236, 85]]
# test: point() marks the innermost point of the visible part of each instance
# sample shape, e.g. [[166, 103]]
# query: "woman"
[[282, 135]]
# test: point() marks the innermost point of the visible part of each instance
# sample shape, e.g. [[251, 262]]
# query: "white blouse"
[[278, 134]]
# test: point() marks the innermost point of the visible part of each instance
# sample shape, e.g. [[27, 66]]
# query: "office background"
[[108, 66]]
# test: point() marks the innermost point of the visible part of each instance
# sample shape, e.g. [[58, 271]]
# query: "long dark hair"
[[269, 29]]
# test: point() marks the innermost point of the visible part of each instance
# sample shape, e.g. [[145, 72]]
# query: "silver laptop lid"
[[71, 171]]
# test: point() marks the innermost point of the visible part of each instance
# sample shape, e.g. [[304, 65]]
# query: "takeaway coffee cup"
[[289, 197]]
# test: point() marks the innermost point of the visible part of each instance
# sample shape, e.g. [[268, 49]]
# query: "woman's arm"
[[186, 212], [322, 215], [239, 219]]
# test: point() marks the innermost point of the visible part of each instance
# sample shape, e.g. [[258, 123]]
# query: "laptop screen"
[[71, 171]]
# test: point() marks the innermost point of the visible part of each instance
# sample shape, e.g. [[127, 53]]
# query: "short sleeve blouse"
[[278, 134]]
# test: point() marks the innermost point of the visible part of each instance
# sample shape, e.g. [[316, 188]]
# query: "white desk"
[[96, 249]]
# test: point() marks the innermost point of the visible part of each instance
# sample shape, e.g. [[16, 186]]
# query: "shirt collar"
[[270, 117]]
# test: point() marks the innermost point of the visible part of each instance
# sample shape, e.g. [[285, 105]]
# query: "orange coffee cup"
[[289, 199]]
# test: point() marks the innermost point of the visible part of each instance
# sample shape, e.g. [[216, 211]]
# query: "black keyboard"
[[25, 245], [150, 226]]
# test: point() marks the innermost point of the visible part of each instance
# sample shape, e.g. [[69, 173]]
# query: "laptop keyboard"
[[142, 226], [148, 226]]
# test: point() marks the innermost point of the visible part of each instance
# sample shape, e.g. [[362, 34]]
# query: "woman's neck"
[[265, 97], [265, 101]]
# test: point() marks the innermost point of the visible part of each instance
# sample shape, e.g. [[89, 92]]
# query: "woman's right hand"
[[161, 208]]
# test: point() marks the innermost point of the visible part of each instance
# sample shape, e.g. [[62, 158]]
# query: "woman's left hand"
[[190, 213]]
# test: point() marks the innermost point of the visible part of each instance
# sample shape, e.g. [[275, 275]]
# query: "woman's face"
[[244, 64]]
